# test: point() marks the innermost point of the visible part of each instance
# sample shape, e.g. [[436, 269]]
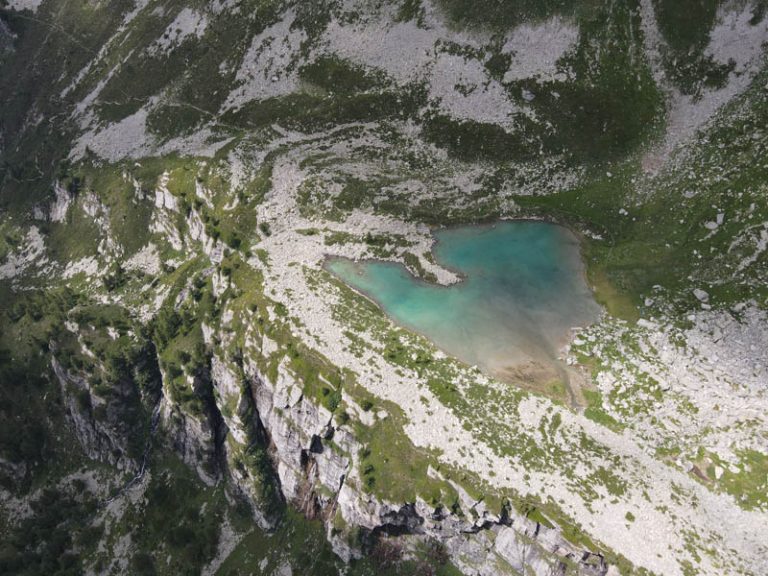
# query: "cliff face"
[[309, 461], [103, 440], [313, 459]]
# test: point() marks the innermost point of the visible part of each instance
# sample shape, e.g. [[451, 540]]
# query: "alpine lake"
[[522, 291]]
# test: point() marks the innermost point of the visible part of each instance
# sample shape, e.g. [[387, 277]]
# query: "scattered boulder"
[[701, 295]]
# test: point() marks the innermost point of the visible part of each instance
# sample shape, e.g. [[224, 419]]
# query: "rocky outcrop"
[[212, 247], [163, 197], [246, 443], [476, 546], [313, 460], [61, 203], [6, 42], [13, 471], [106, 439], [197, 437]]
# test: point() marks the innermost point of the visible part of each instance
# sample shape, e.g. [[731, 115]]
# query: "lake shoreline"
[[521, 307]]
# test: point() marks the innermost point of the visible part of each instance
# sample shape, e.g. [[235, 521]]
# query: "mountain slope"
[[174, 176]]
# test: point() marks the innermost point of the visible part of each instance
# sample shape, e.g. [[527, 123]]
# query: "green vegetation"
[[297, 542], [614, 104], [182, 352], [126, 379], [123, 379], [469, 140], [180, 522], [748, 482], [687, 38], [650, 245], [502, 14], [393, 468], [411, 10], [335, 75], [44, 542], [192, 70], [29, 161], [256, 460], [313, 113], [594, 410], [535, 515], [31, 415], [681, 31], [414, 265]]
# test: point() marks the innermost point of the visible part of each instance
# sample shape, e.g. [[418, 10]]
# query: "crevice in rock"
[[204, 389]]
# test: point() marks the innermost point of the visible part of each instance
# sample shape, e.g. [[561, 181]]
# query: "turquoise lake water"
[[523, 289]]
